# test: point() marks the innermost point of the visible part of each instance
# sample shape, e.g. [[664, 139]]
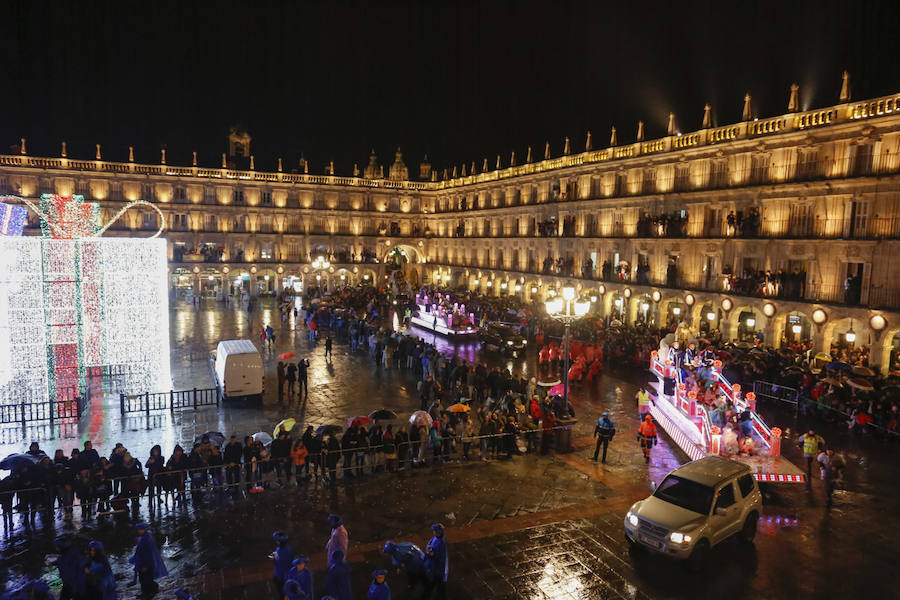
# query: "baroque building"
[[785, 227]]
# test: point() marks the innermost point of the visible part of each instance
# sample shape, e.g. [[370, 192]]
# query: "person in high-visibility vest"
[[643, 400], [810, 442], [647, 436]]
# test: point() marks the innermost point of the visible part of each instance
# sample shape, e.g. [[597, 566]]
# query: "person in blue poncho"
[[437, 563], [282, 558], [302, 575], [293, 591], [379, 589], [148, 562], [101, 584], [71, 569], [409, 557], [34, 589], [337, 582]]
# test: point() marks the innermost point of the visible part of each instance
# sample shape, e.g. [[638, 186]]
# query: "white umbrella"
[[263, 438]]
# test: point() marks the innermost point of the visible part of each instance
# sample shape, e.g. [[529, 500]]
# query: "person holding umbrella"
[[147, 561]]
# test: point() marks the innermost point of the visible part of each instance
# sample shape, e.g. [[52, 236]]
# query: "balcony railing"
[[878, 297], [863, 165]]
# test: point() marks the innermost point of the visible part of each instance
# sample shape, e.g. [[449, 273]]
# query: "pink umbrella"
[[420, 417], [358, 421]]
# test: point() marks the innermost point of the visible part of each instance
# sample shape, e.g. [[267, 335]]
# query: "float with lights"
[[75, 303], [687, 422], [438, 314]]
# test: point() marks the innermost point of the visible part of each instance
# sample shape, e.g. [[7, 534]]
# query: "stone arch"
[[703, 307], [366, 276], [673, 307], [739, 327], [890, 351], [414, 253], [835, 329], [636, 310], [784, 324]]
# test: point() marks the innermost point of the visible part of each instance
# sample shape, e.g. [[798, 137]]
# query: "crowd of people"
[[426, 570]]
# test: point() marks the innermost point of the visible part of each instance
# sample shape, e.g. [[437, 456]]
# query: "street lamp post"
[[320, 265], [567, 309]]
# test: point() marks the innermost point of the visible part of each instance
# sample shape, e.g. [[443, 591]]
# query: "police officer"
[[604, 432]]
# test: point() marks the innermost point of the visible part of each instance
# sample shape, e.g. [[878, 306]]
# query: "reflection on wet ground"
[[530, 527]]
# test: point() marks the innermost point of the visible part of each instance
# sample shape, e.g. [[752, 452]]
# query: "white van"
[[239, 370]]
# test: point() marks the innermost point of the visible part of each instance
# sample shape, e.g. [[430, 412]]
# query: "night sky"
[[461, 81]]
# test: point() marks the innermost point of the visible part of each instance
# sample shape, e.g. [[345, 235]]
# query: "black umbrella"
[[323, 430], [383, 415], [216, 437], [20, 462]]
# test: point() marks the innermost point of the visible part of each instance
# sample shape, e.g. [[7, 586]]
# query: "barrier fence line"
[[215, 477]]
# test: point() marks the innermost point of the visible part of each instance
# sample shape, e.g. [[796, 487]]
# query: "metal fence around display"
[[68, 406], [172, 400]]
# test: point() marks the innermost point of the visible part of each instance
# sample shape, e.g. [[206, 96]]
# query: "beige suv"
[[696, 507]]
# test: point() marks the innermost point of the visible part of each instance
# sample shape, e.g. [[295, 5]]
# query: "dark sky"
[[461, 81]]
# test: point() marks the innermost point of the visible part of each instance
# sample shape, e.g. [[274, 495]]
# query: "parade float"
[[74, 303], [686, 419], [438, 314]]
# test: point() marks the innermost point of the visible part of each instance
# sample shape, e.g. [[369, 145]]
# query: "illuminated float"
[[687, 421], [436, 313]]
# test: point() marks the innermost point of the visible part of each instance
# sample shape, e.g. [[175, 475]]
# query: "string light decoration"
[[71, 301], [12, 219]]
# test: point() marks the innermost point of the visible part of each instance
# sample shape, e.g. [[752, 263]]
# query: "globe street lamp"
[[320, 265], [567, 309]]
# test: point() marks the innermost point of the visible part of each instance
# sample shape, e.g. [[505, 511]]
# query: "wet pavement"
[[530, 527]]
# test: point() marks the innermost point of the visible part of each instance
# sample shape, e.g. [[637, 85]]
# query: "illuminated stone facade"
[[811, 197]]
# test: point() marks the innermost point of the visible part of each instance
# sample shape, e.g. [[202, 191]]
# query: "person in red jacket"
[[534, 409], [647, 436], [548, 423]]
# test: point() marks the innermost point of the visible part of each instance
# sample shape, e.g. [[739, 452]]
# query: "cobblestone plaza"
[[530, 527]]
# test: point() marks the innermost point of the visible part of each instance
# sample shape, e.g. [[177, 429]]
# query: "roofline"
[[745, 130]]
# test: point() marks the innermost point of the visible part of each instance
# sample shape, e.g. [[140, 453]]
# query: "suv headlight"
[[509, 342], [632, 518], [679, 538]]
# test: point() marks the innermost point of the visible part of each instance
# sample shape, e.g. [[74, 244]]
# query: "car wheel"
[[748, 531], [699, 556]]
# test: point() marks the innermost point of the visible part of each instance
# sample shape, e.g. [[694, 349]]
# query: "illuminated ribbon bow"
[[72, 225]]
